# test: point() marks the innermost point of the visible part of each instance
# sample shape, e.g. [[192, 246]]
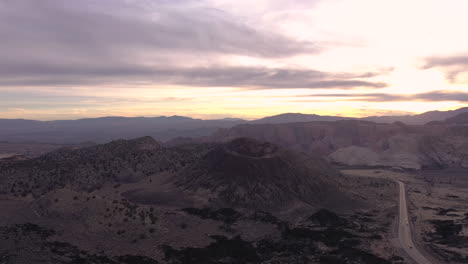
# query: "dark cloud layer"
[[260, 77], [215, 76], [453, 66], [435, 96], [86, 42], [443, 96], [41, 100], [114, 30]]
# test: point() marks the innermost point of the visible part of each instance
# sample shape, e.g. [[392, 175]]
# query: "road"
[[404, 230]]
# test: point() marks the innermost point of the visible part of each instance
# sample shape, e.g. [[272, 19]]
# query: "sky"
[[62, 59]]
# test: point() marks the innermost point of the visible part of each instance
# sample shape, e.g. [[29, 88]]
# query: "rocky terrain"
[[438, 208], [254, 174], [88, 169], [242, 201], [363, 143]]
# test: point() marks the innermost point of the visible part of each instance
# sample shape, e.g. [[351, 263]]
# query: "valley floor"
[[120, 224], [438, 210]]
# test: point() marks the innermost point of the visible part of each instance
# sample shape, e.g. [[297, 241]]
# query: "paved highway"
[[404, 230]]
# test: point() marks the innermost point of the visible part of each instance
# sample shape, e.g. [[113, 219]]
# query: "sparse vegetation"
[[226, 215], [84, 193]]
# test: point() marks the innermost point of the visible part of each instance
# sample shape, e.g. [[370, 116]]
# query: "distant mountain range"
[[458, 119], [105, 129], [420, 119], [296, 118]]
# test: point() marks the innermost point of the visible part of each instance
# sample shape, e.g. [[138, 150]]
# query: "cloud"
[[440, 96], [453, 66], [262, 77], [435, 96], [381, 97], [109, 42], [214, 76], [115, 30], [44, 99], [89, 42]]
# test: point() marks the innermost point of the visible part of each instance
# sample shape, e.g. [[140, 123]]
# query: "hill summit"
[[458, 119], [250, 173]]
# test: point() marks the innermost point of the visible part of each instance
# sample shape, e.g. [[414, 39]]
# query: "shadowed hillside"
[[89, 168], [362, 143], [250, 173]]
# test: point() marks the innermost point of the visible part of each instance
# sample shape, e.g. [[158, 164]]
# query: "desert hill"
[[319, 138], [89, 168], [458, 119], [243, 172], [247, 172], [363, 143]]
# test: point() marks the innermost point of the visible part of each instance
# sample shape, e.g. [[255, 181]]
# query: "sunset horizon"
[[240, 116], [217, 59]]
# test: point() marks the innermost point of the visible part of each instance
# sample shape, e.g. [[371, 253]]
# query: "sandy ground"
[[442, 195], [434, 195], [382, 195]]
